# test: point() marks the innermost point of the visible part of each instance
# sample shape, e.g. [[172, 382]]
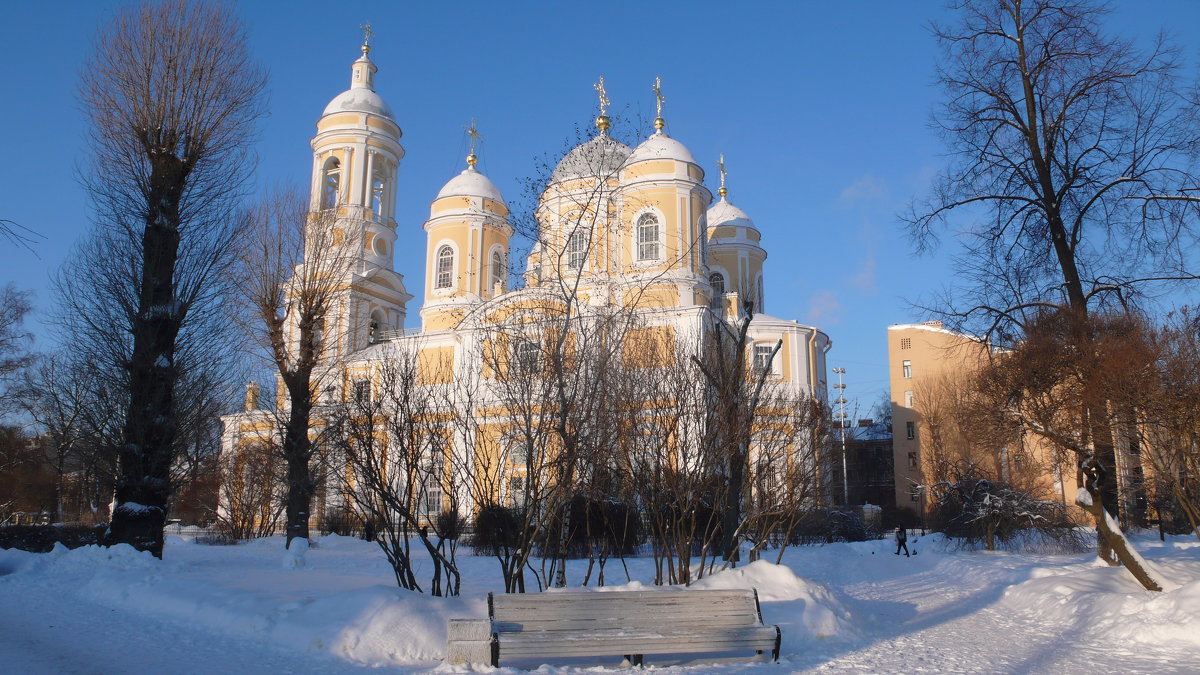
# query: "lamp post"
[[841, 417]]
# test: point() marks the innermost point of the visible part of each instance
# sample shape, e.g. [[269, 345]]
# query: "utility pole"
[[840, 401]]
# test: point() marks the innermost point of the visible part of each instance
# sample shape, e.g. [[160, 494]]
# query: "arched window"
[[331, 182], [576, 251], [717, 281], [759, 298], [647, 237], [527, 357], [378, 183], [445, 267], [497, 268]]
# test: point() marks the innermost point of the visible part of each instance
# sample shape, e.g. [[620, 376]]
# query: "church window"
[[762, 357], [362, 392], [576, 251], [759, 297], [378, 185], [906, 369], [717, 281], [647, 237], [431, 482], [497, 268], [527, 357], [331, 183], [445, 267]]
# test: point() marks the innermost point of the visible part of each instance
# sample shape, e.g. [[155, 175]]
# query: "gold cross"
[[367, 35], [658, 95], [604, 102], [473, 132]]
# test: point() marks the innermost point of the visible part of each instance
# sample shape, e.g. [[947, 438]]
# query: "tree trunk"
[[297, 452], [146, 456]]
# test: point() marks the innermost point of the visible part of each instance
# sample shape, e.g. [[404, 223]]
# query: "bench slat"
[[603, 643]]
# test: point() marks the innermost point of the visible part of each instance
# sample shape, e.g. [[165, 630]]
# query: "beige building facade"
[[617, 227]]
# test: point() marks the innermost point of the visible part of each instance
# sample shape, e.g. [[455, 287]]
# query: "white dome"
[[470, 183], [601, 156], [360, 99], [662, 146], [724, 214]]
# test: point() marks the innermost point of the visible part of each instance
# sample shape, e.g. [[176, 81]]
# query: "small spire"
[[721, 165], [367, 35], [602, 122], [476, 137], [659, 122]]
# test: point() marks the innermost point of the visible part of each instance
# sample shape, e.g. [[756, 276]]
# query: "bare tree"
[[292, 271], [14, 342], [1078, 150], [172, 97]]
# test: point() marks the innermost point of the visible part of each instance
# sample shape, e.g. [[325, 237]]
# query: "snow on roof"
[[661, 146], [725, 214], [360, 99], [470, 183], [601, 156]]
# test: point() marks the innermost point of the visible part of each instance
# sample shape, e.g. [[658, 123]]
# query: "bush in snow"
[[42, 538], [974, 510]]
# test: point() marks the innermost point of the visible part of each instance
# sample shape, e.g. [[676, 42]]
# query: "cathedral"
[[617, 229]]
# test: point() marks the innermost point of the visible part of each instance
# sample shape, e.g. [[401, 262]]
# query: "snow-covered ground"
[[842, 608]]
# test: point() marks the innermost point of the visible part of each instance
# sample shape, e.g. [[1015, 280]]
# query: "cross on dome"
[[659, 99], [367, 35], [473, 133], [721, 165], [602, 122]]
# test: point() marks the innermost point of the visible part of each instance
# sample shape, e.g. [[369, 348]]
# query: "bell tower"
[[356, 158]]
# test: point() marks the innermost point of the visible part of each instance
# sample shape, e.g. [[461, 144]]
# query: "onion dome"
[[470, 183], [601, 156], [361, 96], [661, 146], [725, 214]]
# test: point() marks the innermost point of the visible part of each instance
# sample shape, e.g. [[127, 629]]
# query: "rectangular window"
[[908, 399], [762, 357], [648, 239], [362, 391], [576, 251], [907, 367], [910, 430], [916, 494], [912, 460]]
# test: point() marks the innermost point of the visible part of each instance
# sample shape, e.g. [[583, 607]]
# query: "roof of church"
[[470, 183], [725, 214], [661, 146], [601, 156]]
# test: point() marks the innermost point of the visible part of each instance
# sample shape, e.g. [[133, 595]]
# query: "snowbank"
[[804, 610]]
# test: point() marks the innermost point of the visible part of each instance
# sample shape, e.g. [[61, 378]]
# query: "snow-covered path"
[[948, 615]]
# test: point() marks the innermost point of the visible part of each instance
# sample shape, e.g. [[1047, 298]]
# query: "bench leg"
[[634, 660], [778, 640], [495, 650]]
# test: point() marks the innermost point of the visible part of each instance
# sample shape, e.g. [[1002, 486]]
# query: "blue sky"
[[821, 110]]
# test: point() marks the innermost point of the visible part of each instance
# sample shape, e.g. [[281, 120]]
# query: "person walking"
[[901, 541]]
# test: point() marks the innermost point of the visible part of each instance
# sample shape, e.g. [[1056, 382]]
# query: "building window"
[[497, 268], [576, 251], [912, 460], [445, 267], [907, 367], [908, 399], [330, 183], [717, 281], [762, 357], [905, 343], [362, 392], [760, 302], [647, 237], [915, 495], [378, 185], [910, 430], [527, 357]]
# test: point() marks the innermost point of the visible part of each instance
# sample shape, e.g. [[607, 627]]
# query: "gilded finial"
[[659, 122], [602, 122], [367, 35], [721, 165], [473, 133]]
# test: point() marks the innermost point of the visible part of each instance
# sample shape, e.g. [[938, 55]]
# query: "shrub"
[[42, 538]]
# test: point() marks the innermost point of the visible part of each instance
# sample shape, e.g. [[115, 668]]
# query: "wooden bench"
[[617, 623]]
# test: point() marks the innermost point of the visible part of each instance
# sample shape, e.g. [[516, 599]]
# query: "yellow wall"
[[435, 365]]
